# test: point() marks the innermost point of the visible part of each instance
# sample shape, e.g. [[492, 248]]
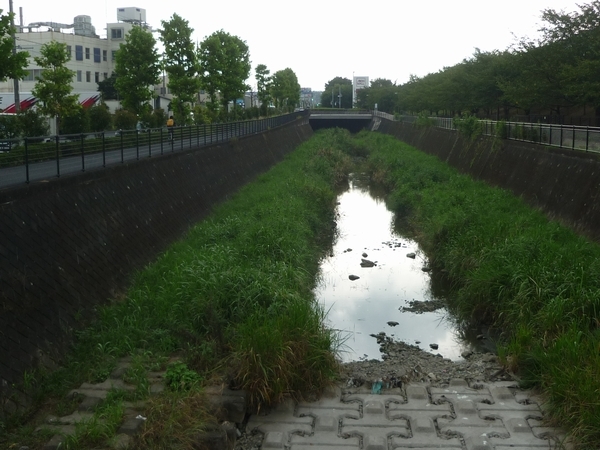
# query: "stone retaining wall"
[[69, 244]]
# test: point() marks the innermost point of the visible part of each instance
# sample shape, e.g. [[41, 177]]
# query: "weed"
[[468, 125]]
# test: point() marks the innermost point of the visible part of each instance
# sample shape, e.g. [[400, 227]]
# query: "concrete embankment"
[[565, 184], [70, 244]]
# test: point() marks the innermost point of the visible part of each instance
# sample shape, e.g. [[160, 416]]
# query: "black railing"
[[31, 159], [586, 139]]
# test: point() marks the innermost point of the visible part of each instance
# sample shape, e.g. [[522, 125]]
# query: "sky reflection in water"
[[364, 306]]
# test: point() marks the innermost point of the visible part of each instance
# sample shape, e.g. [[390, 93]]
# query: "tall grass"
[[530, 278], [234, 298]]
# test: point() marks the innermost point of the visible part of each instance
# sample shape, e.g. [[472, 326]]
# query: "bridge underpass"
[[352, 121]]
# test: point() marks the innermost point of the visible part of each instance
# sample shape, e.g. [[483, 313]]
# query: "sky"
[[321, 40]]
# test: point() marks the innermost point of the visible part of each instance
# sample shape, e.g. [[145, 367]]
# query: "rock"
[[411, 255], [364, 255], [353, 277], [433, 346], [391, 323], [426, 269], [480, 336], [366, 263], [348, 250], [466, 354]]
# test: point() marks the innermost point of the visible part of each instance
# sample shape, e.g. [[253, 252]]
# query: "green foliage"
[[423, 120], [180, 63], [224, 67], [469, 126], [107, 88], [11, 65], [54, 88], [77, 121], [330, 98], [285, 89], [511, 269], [201, 115], [179, 378], [100, 117], [263, 85], [137, 70], [125, 120], [33, 123]]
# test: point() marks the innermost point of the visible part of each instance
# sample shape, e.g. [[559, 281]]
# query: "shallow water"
[[365, 306]]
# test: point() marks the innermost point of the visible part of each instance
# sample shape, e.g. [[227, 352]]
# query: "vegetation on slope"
[[511, 268]]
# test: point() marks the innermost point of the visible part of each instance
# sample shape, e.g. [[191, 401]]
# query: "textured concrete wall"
[[69, 244], [564, 184]]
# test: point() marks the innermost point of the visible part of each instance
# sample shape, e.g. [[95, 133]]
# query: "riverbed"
[[363, 301]]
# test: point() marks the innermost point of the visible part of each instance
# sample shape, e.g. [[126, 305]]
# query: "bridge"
[[349, 119]]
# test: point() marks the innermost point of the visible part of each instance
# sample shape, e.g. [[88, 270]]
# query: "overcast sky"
[[320, 40]]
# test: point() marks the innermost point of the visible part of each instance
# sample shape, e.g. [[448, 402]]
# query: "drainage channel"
[[363, 300]]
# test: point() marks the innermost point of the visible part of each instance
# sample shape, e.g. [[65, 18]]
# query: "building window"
[[116, 33], [33, 75], [88, 76], [97, 77], [69, 51], [87, 53], [97, 55], [79, 52], [113, 54], [79, 76], [104, 55]]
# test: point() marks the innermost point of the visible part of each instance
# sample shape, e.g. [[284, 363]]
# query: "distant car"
[[53, 139], [5, 146]]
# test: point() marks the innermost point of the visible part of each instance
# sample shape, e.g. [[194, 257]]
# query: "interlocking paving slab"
[[485, 416]]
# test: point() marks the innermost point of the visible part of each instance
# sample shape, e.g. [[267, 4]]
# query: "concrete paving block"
[[324, 441], [274, 439], [478, 443], [131, 426]]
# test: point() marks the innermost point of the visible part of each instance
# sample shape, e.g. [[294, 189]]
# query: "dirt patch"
[[403, 363]]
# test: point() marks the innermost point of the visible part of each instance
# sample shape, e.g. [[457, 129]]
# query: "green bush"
[[468, 125]]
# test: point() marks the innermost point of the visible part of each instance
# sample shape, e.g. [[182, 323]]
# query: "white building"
[[92, 57]]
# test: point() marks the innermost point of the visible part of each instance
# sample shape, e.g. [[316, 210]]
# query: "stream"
[[373, 302]]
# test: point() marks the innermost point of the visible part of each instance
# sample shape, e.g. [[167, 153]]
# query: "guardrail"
[[29, 159], [572, 137]]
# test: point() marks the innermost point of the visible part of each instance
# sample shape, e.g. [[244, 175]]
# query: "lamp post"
[[339, 96]]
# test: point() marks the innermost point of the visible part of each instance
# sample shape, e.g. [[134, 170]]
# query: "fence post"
[[26, 162], [103, 150], [57, 156], [82, 153]]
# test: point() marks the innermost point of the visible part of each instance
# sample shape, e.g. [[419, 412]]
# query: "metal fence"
[[29, 159], [572, 137]]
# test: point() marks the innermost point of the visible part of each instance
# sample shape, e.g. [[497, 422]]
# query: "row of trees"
[[556, 73], [220, 65]]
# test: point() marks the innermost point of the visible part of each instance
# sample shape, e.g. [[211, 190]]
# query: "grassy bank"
[[233, 300], [511, 268]]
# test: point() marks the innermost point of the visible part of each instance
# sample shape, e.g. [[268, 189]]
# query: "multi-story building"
[[92, 57]]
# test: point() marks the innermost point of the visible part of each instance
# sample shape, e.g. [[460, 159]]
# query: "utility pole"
[[339, 96], [14, 51]]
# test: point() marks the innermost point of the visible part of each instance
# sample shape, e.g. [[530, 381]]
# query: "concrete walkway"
[[492, 416]]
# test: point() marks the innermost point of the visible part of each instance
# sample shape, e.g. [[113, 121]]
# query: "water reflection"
[[365, 306]]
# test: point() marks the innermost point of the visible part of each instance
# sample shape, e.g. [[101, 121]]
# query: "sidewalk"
[[491, 416]]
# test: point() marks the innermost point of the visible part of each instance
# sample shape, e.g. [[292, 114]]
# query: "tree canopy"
[[224, 67], [285, 89], [263, 86], [53, 88], [137, 69], [181, 64], [336, 90], [11, 65], [547, 75]]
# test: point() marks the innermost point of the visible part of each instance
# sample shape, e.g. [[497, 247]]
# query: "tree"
[[53, 88], [331, 95], [11, 65], [263, 86], [137, 69], [224, 68], [100, 117], [181, 65], [107, 88], [285, 89]]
